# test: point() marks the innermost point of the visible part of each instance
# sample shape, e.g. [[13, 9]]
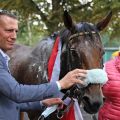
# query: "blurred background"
[[39, 18]]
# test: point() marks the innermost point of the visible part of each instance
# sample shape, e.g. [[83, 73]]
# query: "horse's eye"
[[103, 52], [72, 49]]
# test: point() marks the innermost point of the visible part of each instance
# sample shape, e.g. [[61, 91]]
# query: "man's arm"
[[40, 105], [30, 93], [24, 93]]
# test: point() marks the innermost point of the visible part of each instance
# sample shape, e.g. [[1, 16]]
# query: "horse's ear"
[[102, 24], [67, 20]]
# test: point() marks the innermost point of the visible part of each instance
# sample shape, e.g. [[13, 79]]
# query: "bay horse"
[[81, 48]]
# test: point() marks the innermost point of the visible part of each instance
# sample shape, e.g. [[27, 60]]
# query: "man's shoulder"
[[1, 65], [1, 58], [1, 62]]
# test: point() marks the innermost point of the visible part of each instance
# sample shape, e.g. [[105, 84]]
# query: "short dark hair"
[[7, 13]]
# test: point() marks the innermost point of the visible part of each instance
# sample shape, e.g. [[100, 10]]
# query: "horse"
[[81, 48]]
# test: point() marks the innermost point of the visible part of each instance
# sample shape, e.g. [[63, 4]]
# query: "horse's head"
[[82, 48]]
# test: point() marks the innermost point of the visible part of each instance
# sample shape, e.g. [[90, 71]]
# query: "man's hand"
[[52, 101], [71, 78]]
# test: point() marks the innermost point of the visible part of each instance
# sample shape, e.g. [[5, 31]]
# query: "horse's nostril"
[[97, 105], [89, 106], [86, 102]]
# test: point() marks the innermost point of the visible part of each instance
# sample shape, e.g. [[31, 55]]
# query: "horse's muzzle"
[[89, 107]]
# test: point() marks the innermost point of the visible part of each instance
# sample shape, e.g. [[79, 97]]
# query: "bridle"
[[77, 91], [70, 50]]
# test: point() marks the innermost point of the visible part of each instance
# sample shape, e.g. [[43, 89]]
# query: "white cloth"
[[96, 76]]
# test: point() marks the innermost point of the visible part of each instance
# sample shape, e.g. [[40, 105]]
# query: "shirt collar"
[[4, 55]]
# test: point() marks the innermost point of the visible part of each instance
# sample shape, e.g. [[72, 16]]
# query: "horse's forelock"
[[92, 33], [89, 31], [86, 27], [80, 27]]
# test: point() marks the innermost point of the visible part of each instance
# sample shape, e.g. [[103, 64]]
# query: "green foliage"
[[30, 32], [40, 17], [107, 42]]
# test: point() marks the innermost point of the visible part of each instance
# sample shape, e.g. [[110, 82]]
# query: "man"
[[14, 96]]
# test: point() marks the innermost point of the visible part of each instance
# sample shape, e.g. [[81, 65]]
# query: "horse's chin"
[[90, 108]]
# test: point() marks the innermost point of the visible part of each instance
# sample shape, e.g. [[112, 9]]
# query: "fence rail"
[[108, 53]]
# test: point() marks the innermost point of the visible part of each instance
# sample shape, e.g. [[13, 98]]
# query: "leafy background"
[[39, 18]]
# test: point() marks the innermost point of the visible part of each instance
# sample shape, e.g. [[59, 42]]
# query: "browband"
[[80, 34]]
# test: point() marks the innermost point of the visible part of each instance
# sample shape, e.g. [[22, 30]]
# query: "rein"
[[74, 92]]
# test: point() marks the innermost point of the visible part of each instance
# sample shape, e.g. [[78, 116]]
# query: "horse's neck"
[[40, 56]]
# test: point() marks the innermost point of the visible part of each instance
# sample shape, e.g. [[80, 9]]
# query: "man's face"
[[8, 32]]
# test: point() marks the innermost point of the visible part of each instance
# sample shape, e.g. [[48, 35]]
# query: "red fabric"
[[69, 115], [111, 90], [52, 58]]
